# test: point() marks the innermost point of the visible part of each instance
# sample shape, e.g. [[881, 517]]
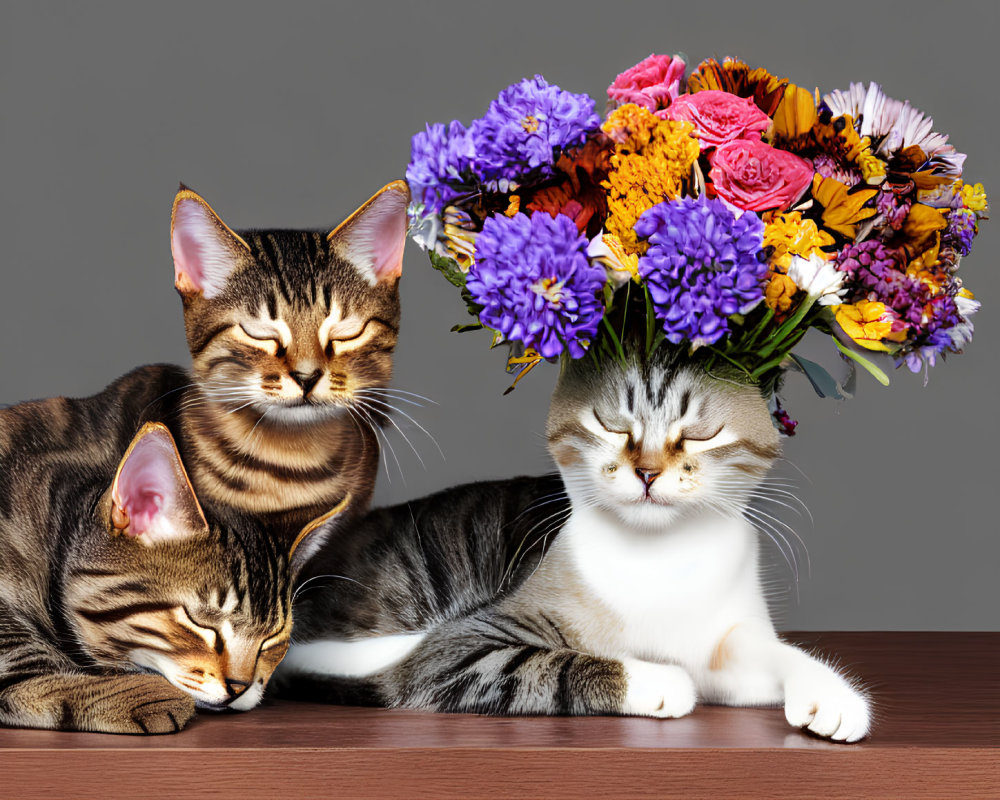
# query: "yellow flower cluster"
[[974, 197], [872, 167], [789, 235], [651, 163]]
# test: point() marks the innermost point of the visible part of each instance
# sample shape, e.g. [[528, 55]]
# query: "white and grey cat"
[[636, 591]]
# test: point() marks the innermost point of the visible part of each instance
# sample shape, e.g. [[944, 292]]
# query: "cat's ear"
[[151, 497], [373, 237], [312, 536], [206, 251]]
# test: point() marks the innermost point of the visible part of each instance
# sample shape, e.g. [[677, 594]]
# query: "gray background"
[[291, 114]]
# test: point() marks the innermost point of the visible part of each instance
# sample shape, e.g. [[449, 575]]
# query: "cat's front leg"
[[657, 690], [750, 666], [123, 703]]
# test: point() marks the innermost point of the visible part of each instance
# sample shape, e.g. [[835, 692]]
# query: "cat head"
[[655, 439], [157, 587], [290, 325]]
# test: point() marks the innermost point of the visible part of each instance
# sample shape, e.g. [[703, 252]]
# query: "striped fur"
[[292, 351], [85, 615]]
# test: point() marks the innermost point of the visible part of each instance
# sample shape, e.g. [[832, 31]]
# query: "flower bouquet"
[[729, 211]]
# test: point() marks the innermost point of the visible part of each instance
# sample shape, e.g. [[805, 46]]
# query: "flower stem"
[[875, 371], [787, 327]]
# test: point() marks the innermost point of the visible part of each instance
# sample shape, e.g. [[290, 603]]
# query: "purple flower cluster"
[[440, 158], [704, 264], [894, 208], [535, 283], [875, 272], [961, 230], [525, 124], [522, 132]]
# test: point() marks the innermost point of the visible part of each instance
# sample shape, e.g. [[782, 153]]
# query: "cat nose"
[[307, 380], [647, 476], [235, 688]]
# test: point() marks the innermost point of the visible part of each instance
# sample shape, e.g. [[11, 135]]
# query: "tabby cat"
[[635, 590], [109, 572], [291, 335]]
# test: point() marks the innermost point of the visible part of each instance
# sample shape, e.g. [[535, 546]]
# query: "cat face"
[[652, 441], [291, 326], [161, 590]]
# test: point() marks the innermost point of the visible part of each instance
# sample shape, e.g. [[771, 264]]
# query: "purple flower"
[[961, 230], [703, 265], [876, 272], [535, 283], [440, 160], [525, 124]]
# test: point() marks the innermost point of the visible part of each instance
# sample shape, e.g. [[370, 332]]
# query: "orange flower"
[[779, 294], [737, 78]]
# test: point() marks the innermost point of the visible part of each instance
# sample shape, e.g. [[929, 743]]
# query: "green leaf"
[[472, 326], [824, 384], [449, 268]]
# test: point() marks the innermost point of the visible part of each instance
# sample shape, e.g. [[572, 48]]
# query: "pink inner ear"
[[146, 484], [376, 239], [201, 253]]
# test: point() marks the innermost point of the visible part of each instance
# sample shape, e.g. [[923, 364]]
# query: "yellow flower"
[[651, 163], [872, 168], [779, 293], [974, 198], [867, 323], [790, 235]]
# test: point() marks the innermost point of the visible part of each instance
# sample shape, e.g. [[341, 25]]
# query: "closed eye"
[[627, 434], [688, 437], [267, 336], [721, 438], [210, 634]]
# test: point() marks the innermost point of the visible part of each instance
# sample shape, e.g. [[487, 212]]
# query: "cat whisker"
[[376, 429], [305, 583], [393, 422], [398, 394], [356, 416], [389, 407]]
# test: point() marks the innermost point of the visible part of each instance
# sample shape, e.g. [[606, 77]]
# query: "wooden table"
[[937, 735]]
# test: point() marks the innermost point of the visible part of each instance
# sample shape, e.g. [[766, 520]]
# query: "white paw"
[[822, 701], [657, 690]]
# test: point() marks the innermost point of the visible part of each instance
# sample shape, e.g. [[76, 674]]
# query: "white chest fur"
[[666, 595]]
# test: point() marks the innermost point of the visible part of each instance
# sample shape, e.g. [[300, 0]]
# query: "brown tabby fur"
[[84, 608], [253, 438]]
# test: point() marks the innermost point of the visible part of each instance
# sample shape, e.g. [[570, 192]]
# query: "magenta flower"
[[719, 117], [754, 176], [653, 83]]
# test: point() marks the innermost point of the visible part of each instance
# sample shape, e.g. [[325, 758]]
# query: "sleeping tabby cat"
[[291, 335], [109, 572], [635, 591]]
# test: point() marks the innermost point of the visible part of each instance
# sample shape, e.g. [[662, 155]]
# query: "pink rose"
[[755, 176], [652, 83], [719, 117]]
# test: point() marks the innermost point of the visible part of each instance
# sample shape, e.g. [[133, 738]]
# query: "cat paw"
[[142, 704], [657, 690], [823, 702]]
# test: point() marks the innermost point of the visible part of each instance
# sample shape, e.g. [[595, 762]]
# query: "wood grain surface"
[[937, 735]]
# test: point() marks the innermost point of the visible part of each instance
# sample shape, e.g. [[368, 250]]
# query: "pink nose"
[[647, 476]]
